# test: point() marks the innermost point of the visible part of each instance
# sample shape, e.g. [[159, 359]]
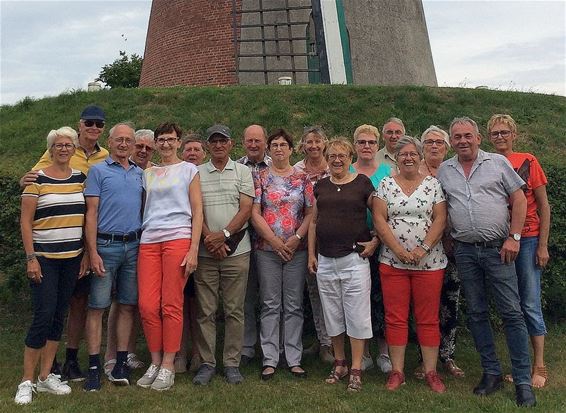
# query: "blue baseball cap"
[[93, 112]]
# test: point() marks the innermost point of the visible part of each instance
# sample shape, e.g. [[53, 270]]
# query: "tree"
[[123, 72]]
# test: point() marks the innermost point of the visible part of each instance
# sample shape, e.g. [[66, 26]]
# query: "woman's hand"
[[312, 264], [280, 248], [190, 262], [85, 266], [292, 244], [404, 256], [34, 271], [418, 254], [369, 247]]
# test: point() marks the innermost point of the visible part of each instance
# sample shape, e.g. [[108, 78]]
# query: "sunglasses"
[[90, 123]]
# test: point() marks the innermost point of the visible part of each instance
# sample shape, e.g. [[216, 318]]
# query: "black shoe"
[[489, 383], [120, 374], [92, 382], [267, 376], [245, 360], [72, 371], [525, 396], [56, 368]]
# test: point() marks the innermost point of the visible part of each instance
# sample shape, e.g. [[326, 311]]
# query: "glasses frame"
[[89, 123]]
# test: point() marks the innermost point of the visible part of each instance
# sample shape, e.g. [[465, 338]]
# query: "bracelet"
[[425, 247], [31, 257], [298, 236]]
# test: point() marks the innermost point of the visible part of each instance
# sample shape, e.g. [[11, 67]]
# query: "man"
[[480, 186], [89, 152], [255, 143], [227, 191], [143, 148], [113, 194], [193, 150], [392, 130]]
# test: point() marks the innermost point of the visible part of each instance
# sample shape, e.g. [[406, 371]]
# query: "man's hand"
[[96, 264], [509, 250], [542, 256], [221, 252], [85, 266], [28, 179], [34, 271], [214, 241]]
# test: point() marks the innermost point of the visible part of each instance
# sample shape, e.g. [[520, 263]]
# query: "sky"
[[49, 47]]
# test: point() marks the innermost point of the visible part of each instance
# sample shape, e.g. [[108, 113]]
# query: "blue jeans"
[[120, 265], [481, 270], [528, 276]]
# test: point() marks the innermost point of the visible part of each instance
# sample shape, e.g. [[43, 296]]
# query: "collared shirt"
[[255, 166], [221, 192], [384, 157], [79, 160], [120, 193], [478, 205], [314, 177]]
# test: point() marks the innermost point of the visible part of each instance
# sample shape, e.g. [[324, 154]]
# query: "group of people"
[[400, 227]]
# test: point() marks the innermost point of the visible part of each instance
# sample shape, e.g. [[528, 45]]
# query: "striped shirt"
[[57, 227]]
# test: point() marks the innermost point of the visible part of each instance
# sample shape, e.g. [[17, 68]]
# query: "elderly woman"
[[339, 232], [435, 143], [172, 219], [52, 218], [366, 143], [533, 253], [281, 215], [313, 146], [410, 216]]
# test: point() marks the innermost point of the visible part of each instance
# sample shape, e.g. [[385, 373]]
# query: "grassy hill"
[[339, 109]]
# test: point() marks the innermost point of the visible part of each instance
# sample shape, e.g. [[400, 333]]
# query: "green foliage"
[[123, 72]]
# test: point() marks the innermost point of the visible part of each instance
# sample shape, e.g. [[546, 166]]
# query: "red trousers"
[[161, 281], [400, 287]]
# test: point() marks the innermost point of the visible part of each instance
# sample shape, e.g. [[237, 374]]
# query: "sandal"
[[540, 371], [355, 383], [419, 372], [334, 377], [108, 366], [453, 369]]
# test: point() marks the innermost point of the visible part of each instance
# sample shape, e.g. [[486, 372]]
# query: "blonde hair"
[[369, 129], [502, 118], [342, 143], [315, 130]]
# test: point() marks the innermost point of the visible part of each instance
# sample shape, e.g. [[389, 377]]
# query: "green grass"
[[283, 393]]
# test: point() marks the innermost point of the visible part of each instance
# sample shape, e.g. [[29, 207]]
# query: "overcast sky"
[[48, 47]]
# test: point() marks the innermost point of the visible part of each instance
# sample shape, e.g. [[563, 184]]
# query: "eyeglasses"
[[127, 141], [408, 154], [390, 132], [340, 157], [141, 146], [503, 133], [362, 142], [437, 142], [90, 123], [170, 141], [282, 145], [221, 141], [60, 146]]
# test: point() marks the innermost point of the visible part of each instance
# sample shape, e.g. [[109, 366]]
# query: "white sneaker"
[[53, 385], [149, 376], [384, 363], [134, 362], [367, 363], [164, 380], [24, 393]]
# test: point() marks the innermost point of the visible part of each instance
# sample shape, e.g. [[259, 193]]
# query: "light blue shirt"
[[381, 172]]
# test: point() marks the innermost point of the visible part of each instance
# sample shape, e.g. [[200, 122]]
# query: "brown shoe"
[[453, 369]]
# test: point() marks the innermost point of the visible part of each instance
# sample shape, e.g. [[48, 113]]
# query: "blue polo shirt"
[[120, 193]]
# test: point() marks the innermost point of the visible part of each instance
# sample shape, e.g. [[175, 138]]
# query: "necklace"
[[428, 169], [338, 185]]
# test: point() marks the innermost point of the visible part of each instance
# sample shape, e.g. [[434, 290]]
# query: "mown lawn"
[[283, 393]]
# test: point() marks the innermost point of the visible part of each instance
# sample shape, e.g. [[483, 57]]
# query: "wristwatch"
[[226, 233], [298, 236], [516, 237], [31, 257]]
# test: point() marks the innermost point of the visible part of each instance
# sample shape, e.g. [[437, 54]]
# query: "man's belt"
[[495, 243], [130, 236]]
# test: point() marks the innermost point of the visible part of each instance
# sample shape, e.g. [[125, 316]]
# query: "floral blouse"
[[283, 200], [410, 218]]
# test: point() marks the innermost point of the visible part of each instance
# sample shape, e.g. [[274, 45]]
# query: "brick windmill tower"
[[228, 42]]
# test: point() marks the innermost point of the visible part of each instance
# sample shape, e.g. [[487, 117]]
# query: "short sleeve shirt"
[[383, 157], [410, 219], [381, 172], [79, 160], [341, 215], [221, 192], [283, 200], [313, 176], [478, 204]]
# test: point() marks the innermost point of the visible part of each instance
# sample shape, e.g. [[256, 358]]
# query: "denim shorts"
[[120, 264]]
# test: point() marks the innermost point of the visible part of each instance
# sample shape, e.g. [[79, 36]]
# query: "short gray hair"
[[65, 131], [437, 130], [127, 123], [142, 133], [408, 140], [394, 120], [464, 119]]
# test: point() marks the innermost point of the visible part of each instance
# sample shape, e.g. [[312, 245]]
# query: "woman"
[[167, 256], [435, 143], [52, 218], [339, 232], [366, 143], [281, 215], [533, 253], [313, 147], [409, 214]]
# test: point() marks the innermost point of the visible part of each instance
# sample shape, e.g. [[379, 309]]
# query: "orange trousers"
[[161, 281]]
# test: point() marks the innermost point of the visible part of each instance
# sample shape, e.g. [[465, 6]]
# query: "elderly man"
[[89, 152], [194, 150], [227, 191], [393, 129], [113, 226], [143, 148], [480, 186], [255, 142]]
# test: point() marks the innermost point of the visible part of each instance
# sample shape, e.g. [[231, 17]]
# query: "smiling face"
[[62, 150], [194, 153], [219, 147], [502, 137], [408, 159], [121, 142], [465, 141], [90, 134], [143, 150], [339, 160], [255, 143], [392, 132], [167, 144], [434, 148], [366, 146], [313, 146]]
